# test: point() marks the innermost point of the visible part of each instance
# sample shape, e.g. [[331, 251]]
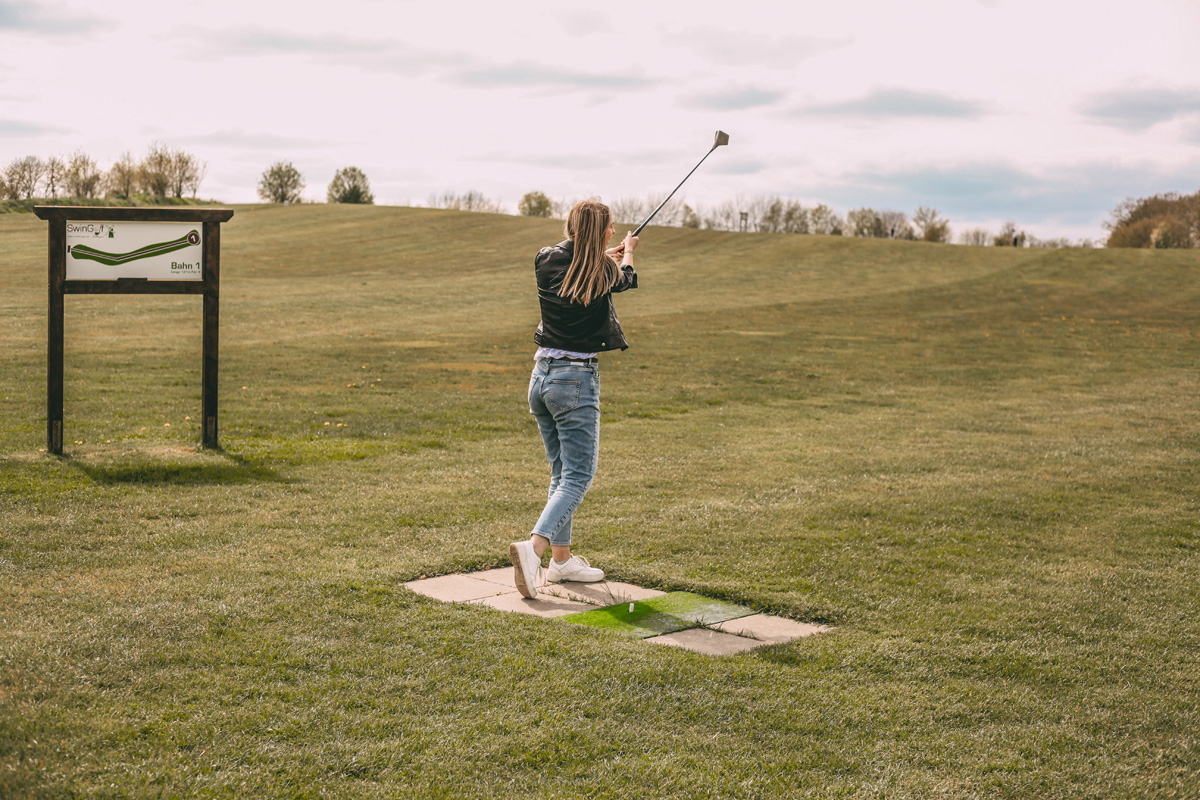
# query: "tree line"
[[781, 215], [162, 172], [1162, 221], [282, 182], [1168, 220]]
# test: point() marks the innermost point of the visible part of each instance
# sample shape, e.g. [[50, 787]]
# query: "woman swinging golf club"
[[576, 279]]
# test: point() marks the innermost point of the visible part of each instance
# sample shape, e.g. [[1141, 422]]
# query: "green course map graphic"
[[82, 251]]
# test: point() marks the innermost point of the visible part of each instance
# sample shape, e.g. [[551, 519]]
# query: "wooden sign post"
[[97, 250]]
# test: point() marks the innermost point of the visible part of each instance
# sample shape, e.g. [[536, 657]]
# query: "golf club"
[[720, 139]]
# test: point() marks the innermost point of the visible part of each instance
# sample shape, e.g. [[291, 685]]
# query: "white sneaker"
[[525, 567], [577, 568]]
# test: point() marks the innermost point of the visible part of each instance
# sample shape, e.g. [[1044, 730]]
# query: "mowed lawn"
[[982, 465]]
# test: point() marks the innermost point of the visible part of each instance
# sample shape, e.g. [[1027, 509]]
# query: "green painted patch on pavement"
[[674, 611]]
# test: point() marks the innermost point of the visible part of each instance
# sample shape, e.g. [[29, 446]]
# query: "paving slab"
[[769, 629], [502, 576], [666, 613], [604, 593], [542, 606], [709, 642], [456, 588]]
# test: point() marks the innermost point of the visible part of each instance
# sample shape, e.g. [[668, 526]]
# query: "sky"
[[1044, 112]]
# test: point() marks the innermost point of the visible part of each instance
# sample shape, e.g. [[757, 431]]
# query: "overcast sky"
[[1045, 112]]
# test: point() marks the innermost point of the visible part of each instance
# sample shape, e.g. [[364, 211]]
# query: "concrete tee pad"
[[502, 576], [457, 588], [544, 605], [768, 629], [666, 613], [605, 593], [677, 619], [709, 642]]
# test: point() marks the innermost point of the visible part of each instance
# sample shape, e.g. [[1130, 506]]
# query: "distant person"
[[576, 280]]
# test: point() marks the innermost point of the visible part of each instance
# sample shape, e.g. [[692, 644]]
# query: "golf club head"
[[721, 138]]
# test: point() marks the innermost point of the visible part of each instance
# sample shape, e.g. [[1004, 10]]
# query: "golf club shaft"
[[673, 191]]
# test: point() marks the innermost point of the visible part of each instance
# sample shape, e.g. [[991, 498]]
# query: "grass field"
[[980, 464]]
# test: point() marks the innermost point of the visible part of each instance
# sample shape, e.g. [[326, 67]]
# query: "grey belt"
[[590, 362]]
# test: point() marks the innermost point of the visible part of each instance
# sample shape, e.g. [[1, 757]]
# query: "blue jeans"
[[565, 400]]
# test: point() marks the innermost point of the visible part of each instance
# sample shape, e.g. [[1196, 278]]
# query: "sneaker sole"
[[553, 579], [514, 552]]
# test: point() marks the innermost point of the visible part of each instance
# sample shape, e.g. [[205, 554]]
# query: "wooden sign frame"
[[208, 285]]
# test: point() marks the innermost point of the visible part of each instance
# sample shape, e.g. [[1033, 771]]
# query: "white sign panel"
[[157, 251]]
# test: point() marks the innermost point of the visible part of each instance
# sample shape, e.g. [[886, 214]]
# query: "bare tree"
[[627, 210], [54, 176], [123, 176], [825, 221], [895, 225], [930, 226], [82, 177], [725, 217], [468, 201], [185, 173], [23, 176], [978, 237], [795, 218], [770, 218], [154, 174], [670, 215], [865, 222], [1009, 236]]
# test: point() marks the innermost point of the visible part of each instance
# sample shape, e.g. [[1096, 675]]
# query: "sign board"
[[108, 250], [112, 250]]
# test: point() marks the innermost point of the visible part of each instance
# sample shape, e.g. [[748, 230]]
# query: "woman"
[[576, 280]]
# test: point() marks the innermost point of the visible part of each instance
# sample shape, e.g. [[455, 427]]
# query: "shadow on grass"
[[198, 469]]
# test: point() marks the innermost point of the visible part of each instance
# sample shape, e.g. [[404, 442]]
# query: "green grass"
[[980, 464]]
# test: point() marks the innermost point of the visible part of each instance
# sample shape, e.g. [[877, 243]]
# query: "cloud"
[[1083, 193], [734, 99], [750, 167], [898, 103], [14, 128], [53, 20], [740, 49], [553, 161], [581, 161], [259, 42], [387, 56], [1191, 132], [1139, 109], [370, 54], [236, 138], [534, 75]]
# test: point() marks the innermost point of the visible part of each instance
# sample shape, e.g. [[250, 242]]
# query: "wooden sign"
[[100, 250]]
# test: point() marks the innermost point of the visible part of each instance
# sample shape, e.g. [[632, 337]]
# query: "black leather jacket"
[[570, 326]]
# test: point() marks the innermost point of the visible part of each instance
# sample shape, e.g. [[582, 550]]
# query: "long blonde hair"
[[592, 272]]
